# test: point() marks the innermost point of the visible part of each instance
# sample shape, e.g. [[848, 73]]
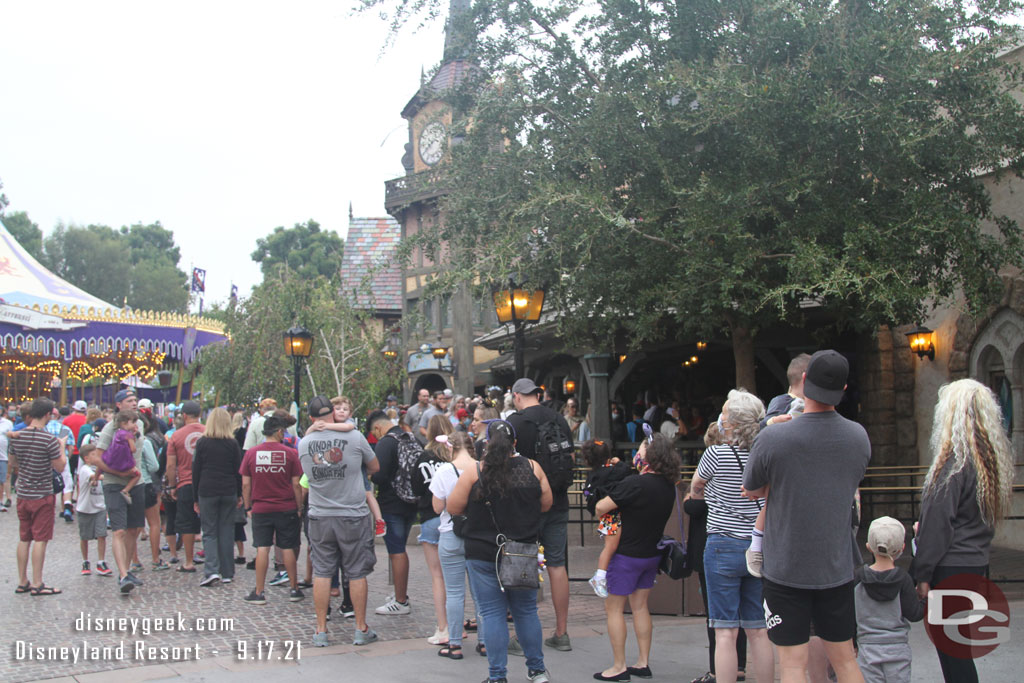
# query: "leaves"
[[720, 162], [304, 249]]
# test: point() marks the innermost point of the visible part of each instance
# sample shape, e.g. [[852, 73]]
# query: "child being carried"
[[606, 470], [120, 457]]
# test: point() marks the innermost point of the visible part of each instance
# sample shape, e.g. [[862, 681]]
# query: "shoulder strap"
[[739, 463], [487, 503]]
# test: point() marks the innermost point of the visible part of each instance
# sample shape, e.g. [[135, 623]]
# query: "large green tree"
[[28, 234], [137, 264], [304, 249], [347, 345], [722, 163]]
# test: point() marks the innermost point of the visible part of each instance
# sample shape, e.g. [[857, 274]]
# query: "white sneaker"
[[210, 580], [440, 637], [393, 608], [600, 586], [755, 560]]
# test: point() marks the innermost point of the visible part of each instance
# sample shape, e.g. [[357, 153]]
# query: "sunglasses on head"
[[648, 432]]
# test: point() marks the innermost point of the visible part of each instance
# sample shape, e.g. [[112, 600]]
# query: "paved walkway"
[[218, 624]]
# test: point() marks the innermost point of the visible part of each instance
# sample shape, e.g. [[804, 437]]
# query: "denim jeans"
[[734, 596], [453, 566], [217, 516], [492, 605]]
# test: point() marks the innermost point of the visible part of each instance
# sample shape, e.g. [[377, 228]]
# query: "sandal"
[[469, 626], [450, 651], [481, 649], [43, 589], [23, 589], [186, 570]]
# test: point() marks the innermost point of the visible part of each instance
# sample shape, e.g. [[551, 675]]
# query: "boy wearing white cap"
[[886, 604]]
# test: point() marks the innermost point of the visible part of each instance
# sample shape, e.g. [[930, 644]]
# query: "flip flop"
[[183, 570], [451, 652], [23, 589], [43, 589], [469, 626]]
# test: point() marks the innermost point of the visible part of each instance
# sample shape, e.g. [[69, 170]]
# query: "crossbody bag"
[[515, 563]]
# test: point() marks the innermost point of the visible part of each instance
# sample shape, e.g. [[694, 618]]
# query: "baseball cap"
[[145, 403], [525, 385], [271, 424], [191, 408], [447, 393], [80, 406], [825, 378], [123, 394], [885, 537], [320, 406], [392, 397]]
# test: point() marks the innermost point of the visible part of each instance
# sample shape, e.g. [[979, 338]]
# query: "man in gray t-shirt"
[[439, 407], [340, 523], [415, 412], [812, 466]]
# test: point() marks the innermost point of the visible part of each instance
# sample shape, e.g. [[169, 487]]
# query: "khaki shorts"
[[347, 541]]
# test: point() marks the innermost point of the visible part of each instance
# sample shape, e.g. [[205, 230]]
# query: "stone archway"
[[990, 349]]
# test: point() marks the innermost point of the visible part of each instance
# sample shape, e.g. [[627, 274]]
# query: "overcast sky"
[[221, 120]]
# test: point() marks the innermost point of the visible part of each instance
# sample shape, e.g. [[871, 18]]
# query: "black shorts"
[[186, 521], [151, 498], [791, 611], [280, 527], [170, 512]]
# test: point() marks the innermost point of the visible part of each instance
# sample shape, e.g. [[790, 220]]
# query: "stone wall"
[[887, 413]]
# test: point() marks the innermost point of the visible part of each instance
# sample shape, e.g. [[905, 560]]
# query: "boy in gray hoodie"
[[886, 604]]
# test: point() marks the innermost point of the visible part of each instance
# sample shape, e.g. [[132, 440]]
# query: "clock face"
[[432, 141]]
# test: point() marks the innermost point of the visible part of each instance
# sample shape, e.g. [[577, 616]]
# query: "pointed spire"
[[350, 210], [457, 38]]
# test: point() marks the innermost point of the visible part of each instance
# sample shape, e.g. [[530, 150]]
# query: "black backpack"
[[409, 452], [554, 452]]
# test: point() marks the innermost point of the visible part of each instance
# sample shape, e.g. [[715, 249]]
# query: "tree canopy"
[[137, 264], [347, 345], [28, 234], [305, 249], [724, 162]]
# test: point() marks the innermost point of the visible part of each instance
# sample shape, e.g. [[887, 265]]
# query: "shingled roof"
[[372, 244]]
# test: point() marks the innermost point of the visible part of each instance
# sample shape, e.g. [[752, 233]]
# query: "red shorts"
[[36, 519]]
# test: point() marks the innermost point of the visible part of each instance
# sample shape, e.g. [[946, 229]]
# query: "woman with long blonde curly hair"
[[966, 494]]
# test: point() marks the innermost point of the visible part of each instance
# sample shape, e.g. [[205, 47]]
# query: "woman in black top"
[[218, 487], [645, 501], [505, 495]]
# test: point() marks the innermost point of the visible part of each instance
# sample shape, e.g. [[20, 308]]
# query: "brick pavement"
[[50, 621]]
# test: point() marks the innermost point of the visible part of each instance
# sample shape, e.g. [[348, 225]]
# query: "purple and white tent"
[[50, 328]]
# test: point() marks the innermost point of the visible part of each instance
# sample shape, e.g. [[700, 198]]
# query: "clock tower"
[[449, 321]]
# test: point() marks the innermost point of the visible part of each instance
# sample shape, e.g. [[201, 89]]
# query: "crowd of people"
[[773, 507]]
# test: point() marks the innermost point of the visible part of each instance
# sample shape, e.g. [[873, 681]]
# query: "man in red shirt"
[[270, 488], [180, 450]]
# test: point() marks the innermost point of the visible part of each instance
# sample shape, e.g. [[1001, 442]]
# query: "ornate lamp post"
[[518, 304], [298, 345]]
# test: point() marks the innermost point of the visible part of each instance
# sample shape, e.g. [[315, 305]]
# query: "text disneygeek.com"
[[137, 650]]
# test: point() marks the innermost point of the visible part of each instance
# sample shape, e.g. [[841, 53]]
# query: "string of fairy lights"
[[27, 374]]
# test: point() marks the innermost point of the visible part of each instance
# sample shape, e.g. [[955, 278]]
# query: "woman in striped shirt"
[[734, 596]]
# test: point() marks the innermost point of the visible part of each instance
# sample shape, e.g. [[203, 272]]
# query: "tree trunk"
[[743, 355]]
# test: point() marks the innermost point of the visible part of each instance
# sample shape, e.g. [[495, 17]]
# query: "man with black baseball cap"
[[530, 417], [813, 465], [271, 491]]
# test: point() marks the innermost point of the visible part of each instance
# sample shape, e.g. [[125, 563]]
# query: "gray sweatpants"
[[884, 663]]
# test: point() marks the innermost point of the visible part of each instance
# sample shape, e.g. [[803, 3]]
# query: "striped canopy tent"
[[54, 335]]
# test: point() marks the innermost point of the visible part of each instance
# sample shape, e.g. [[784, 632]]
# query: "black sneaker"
[[134, 579], [347, 610], [239, 560], [255, 598], [251, 564], [296, 595], [125, 586]]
